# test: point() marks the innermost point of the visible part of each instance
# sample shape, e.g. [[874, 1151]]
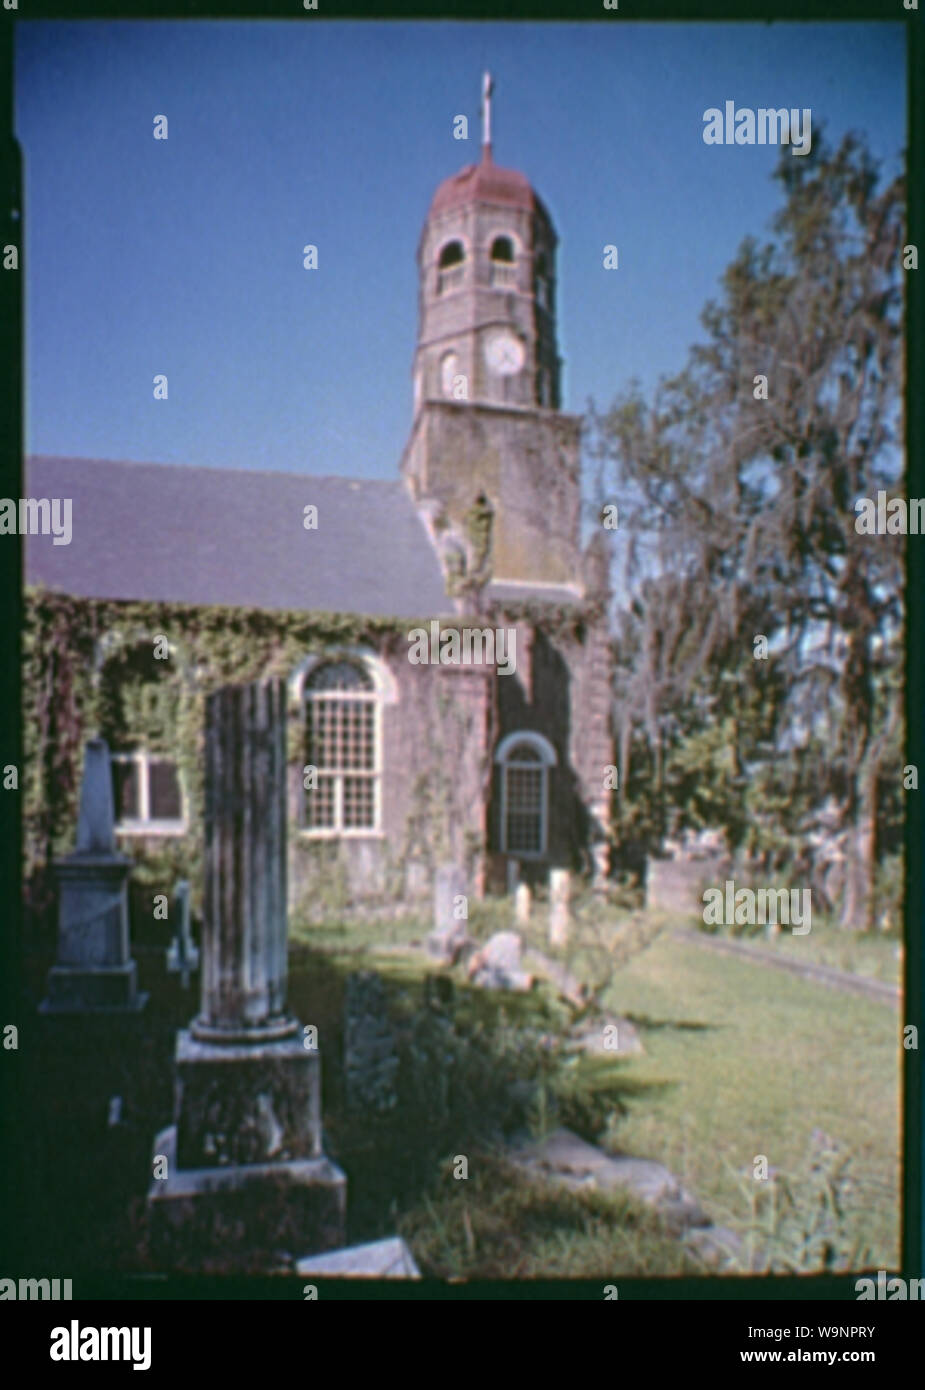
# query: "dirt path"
[[808, 970]]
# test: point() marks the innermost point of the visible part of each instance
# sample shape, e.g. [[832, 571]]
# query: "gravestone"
[[676, 885], [94, 972], [381, 1259], [243, 1181], [451, 933], [522, 903], [370, 1054], [559, 920], [182, 954], [498, 964]]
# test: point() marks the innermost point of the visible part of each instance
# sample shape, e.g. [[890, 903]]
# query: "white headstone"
[[559, 920], [522, 904]]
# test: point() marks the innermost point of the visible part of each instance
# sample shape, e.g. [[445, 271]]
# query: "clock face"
[[504, 353]]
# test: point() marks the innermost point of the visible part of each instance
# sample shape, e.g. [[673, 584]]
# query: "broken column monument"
[[94, 972], [240, 1180]]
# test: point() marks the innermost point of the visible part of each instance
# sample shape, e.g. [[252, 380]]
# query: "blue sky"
[[183, 256]]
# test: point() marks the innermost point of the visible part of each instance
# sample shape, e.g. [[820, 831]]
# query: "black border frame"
[[90, 1285]]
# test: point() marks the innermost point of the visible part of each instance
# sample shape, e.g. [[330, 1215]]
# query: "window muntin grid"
[[341, 741], [524, 801]]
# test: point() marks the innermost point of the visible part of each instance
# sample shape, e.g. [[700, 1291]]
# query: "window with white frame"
[[524, 760], [342, 745], [147, 795]]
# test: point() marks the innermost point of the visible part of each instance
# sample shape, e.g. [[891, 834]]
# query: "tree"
[[741, 508]]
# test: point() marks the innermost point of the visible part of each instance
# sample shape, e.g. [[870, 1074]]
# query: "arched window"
[[342, 748], [451, 266], [524, 760], [503, 270], [452, 254]]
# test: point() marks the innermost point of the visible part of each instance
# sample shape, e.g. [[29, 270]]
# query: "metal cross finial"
[[487, 89]]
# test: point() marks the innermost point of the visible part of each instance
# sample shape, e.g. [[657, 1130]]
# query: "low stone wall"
[[676, 885]]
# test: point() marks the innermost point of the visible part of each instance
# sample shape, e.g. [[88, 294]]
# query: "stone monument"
[[94, 972], [450, 935], [523, 901], [240, 1181], [182, 954], [559, 917]]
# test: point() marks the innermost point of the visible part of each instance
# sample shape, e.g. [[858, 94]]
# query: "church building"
[[180, 579]]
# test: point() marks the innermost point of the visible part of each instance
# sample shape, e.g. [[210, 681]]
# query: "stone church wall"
[[526, 463], [562, 691], [440, 726]]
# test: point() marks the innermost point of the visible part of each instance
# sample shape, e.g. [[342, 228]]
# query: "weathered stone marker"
[[246, 1181], [450, 933], [559, 919], [182, 954], [498, 964], [94, 972], [523, 901]]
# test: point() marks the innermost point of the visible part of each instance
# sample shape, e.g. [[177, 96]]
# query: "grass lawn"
[[877, 955], [744, 1060], [740, 1060]]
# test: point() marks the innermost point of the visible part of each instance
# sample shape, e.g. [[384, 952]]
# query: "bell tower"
[[486, 372], [486, 262]]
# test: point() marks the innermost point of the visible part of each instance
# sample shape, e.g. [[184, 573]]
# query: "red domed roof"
[[484, 183]]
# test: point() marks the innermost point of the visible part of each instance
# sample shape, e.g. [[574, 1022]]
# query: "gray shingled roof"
[[224, 536]]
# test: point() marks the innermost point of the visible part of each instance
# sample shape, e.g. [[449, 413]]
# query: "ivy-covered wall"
[[90, 666], [140, 672]]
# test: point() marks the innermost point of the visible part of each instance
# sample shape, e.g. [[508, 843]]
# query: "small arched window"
[[452, 254], [524, 760], [450, 266], [503, 269], [341, 745]]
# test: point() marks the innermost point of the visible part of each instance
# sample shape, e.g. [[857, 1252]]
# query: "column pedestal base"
[[253, 1218], [95, 990]]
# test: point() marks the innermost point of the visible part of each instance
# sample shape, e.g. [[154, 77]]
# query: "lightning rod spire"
[[487, 88]]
